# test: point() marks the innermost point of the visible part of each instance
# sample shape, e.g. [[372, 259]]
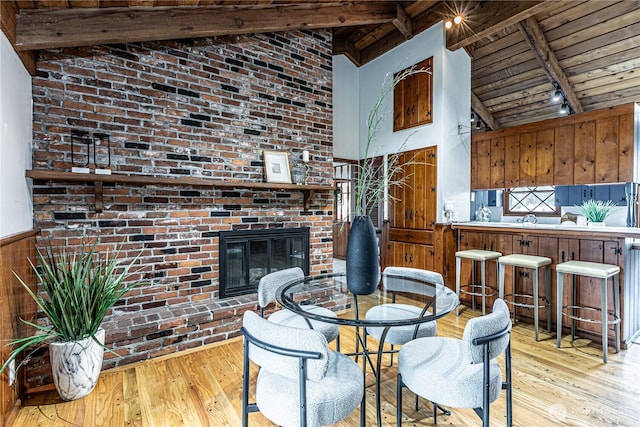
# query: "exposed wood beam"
[[346, 48], [489, 18], [483, 112], [8, 12], [403, 23], [44, 29], [537, 41]]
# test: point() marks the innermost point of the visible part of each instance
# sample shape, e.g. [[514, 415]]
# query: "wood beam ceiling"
[[403, 23], [54, 28], [483, 112], [537, 41]]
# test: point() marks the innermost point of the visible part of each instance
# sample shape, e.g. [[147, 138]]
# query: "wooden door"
[[497, 154], [483, 164], [584, 152], [544, 156], [430, 186], [528, 159], [563, 155], [512, 161], [606, 167], [626, 148]]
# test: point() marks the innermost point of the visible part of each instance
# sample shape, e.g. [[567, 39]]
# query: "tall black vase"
[[363, 258]]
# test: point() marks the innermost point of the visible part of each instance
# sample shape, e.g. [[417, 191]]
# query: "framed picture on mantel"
[[276, 166]]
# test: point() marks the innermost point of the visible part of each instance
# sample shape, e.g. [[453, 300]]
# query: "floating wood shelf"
[[307, 190]]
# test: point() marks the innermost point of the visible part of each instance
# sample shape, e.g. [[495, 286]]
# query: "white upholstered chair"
[[301, 382], [460, 373], [267, 287], [392, 281]]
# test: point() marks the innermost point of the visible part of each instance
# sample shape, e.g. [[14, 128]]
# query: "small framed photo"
[[276, 165]]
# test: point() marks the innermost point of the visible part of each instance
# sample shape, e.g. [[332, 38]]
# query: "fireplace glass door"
[[247, 255]]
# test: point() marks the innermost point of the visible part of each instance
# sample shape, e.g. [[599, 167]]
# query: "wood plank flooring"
[[568, 386]]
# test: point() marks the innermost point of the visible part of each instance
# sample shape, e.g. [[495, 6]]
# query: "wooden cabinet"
[[413, 98], [412, 212], [594, 147]]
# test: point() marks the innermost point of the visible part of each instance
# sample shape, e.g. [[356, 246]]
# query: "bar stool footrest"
[[525, 305], [612, 319], [489, 291]]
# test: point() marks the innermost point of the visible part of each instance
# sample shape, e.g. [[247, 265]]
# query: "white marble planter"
[[76, 366]]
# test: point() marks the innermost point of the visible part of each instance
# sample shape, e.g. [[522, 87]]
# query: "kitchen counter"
[[562, 242], [554, 229]]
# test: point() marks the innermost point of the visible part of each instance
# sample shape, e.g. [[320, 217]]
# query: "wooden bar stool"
[[534, 263], [599, 271], [475, 255]]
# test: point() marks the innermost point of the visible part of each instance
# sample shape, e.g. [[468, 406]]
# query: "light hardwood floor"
[[567, 386]]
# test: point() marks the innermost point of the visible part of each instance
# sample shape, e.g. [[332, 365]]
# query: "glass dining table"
[[331, 291]]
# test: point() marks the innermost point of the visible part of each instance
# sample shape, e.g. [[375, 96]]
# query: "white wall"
[[451, 105], [16, 118], [345, 111]]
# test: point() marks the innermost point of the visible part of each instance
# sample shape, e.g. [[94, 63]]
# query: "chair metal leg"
[[559, 293], [605, 318], [458, 266], [399, 401], [547, 295], [473, 282], [536, 315], [482, 286], [616, 309]]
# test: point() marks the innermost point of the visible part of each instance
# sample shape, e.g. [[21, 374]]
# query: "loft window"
[[536, 200]]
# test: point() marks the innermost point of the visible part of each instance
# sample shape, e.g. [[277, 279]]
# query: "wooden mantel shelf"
[[307, 190]]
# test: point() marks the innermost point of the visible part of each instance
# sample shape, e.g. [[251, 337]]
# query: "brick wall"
[[204, 108]]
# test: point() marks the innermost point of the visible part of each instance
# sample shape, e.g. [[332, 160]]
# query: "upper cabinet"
[[413, 98], [596, 147]]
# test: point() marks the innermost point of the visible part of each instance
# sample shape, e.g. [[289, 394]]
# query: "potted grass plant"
[[77, 289], [596, 211]]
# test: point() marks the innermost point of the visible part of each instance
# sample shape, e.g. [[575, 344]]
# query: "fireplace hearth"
[[247, 255]]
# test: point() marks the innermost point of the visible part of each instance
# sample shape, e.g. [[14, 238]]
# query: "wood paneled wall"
[[15, 303]]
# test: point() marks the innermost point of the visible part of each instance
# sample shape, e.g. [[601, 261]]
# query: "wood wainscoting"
[[15, 303]]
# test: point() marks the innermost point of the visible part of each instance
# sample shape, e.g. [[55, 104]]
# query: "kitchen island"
[[562, 242]]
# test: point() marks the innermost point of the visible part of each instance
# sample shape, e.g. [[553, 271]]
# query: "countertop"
[[565, 228]]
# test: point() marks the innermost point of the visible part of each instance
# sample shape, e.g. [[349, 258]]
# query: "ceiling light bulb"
[[557, 96], [447, 25], [473, 117], [457, 19], [564, 109]]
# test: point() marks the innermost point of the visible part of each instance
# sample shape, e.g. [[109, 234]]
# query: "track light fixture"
[[564, 109], [478, 124], [557, 95], [473, 117]]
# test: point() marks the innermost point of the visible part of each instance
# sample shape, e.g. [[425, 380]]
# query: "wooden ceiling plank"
[[534, 36], [374, 34], [500, 55], [531, 78], [604, 61], [599, 50], [624, 24], [490, 18], [523, 62], [586, 16], [495, 103], [519, 87], [402, 22], [483, 112], [499, 44], [610, 70], [77, 27], [592, 88], [84, 3]]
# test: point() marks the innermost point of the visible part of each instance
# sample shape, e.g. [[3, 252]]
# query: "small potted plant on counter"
[[78, 288], [596, 211]]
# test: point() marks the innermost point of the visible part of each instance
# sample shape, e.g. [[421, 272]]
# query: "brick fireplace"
[[200, 108]]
